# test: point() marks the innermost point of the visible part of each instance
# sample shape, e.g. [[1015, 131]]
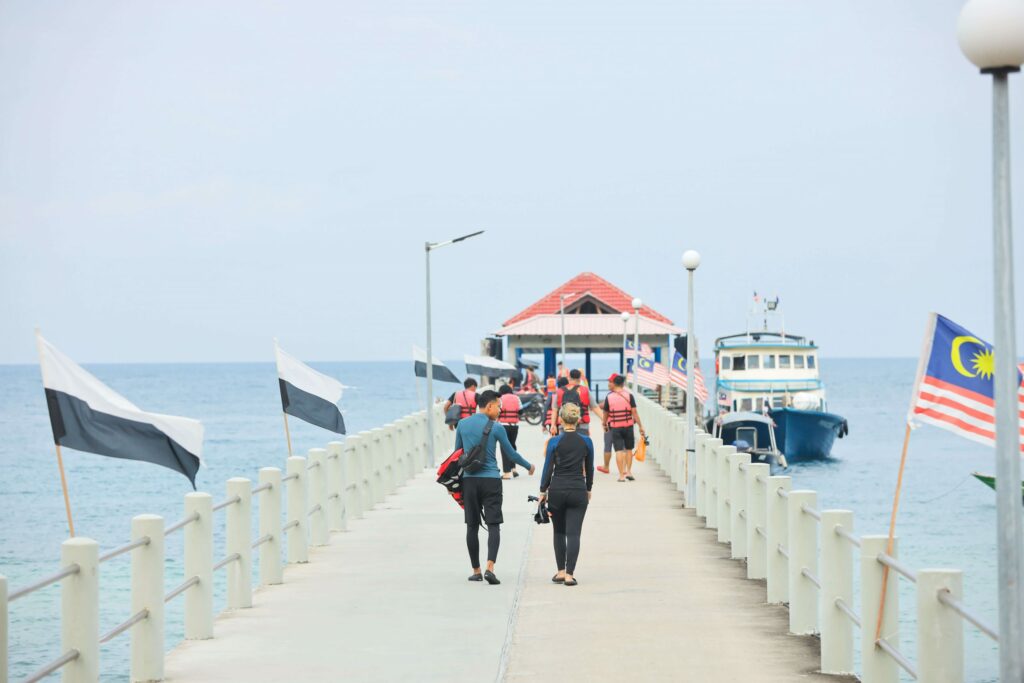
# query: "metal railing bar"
[[949, 601], [760, 531], [294, 475], [125, 625], [44, 582], [898, 656], [782, 492], [262, 539], [742, 467], [847, 535], [124, 549], [783, 552], [315, 509], [714, 489], [742, 514], [194, 517], [290, 524], [334, 495], [896, 566], [845, 609], [181, 589], [760, 478], [811, 511], [226, 561], [47, 669], [811, 577], [332, 455], [263, 487], [223, 504], [312, 465]]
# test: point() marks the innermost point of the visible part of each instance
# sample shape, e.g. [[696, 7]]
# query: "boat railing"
[[320, 494], [805, 555]]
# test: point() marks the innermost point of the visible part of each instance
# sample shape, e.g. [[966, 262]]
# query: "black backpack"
[[473, 460], [572, 395]]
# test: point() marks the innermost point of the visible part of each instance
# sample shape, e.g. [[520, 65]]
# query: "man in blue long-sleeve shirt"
[[481, 490]]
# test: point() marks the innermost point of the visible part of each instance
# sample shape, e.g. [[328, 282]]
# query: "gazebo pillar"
[[550, 364], [586, 366]]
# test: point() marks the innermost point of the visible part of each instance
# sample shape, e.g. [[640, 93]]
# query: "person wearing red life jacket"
[[466, 400], [619, 417], [554, 386], [607, 434], [509, 417], [575, 392]]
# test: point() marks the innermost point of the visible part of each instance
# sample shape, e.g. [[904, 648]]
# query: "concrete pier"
[[659, 599]]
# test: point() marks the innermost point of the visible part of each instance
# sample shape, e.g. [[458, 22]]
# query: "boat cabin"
[[760, 371]]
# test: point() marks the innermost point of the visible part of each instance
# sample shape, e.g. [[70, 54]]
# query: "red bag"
[[449, 475]]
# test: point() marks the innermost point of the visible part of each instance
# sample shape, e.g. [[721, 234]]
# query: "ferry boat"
[[775, 375]]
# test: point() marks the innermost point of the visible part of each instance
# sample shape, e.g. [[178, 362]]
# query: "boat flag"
[[645, 350], [487, 366], [307, 394], [441, 371], [87, 415], [677, 375], [954, 388]]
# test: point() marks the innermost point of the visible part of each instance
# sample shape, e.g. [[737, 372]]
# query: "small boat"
[[750, 433], [775, 374], [990, 481]]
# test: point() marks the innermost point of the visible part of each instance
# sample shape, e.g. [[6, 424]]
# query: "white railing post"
[[238, 535], [738, 504], [692, 462], [352, 477], [710, 472], [876, 665], [377, 462], [836, 584], [80, 610], [700, 463], [757, 509], [270, 524], [722, 454], [803, 555], [198, 551], [940, 631], [147, 636], [391, 457], [367, 467], [318, 534], [777, 566], [298, 548], [4, 629], [335, 487]]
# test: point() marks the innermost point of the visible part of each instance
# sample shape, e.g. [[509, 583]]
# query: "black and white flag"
[[307, 394], [485, 366], [87, 415], [441, 371]]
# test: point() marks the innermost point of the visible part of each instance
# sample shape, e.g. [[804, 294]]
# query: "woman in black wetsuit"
[[566, 483]]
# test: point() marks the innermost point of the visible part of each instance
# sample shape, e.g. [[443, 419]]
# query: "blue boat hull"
[[807, 434]]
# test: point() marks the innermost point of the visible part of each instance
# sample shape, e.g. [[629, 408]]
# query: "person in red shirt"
[[575, 392], [465, 399], [509, 417]]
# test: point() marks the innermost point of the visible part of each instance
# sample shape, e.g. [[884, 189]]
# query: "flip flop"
[[557, 579], [573, 582], [630, 477]]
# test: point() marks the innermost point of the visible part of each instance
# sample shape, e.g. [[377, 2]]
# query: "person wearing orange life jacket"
[[619, 417], [466, 400], [549, 400], [574, 392], [509, 417], [607, 434]]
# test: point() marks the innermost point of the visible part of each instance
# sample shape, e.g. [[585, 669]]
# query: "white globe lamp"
[[991, 33], [691, 259]]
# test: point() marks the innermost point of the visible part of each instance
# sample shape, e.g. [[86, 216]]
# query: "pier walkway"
[[388, 600]]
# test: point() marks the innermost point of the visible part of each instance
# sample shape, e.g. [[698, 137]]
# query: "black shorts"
[[482, 493], [622, 438]]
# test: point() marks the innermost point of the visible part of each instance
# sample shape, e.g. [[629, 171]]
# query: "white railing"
[[805, 554], [323, 492]]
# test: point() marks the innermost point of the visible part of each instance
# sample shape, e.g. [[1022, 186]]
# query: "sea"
[[946, 518]]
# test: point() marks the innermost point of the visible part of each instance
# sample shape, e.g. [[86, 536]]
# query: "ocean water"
[[946, 519]]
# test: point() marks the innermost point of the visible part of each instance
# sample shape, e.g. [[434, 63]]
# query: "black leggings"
[[473, 543], [506, 462], [567, 511]]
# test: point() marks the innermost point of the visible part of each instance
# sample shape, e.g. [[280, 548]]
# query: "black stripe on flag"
[[76, 425], [488, 371], [441, 372], [311, 408]]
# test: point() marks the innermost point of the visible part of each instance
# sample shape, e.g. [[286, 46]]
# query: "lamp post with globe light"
[[691, 260], [637, 303], [625, 322], [991, 36]]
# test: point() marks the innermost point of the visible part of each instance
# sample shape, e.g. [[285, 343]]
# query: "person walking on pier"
[[576, 392], [619, 416], [566, 485], [607, 434], [481, 490], [509, 418], [549, 403], [466, 400]]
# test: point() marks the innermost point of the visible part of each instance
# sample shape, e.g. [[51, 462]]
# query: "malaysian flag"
[[657, 372], [677, 375], [645, 350], [645, 380], [954, 387]]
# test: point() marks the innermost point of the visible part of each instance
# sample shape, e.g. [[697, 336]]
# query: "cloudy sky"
[[183, 181]]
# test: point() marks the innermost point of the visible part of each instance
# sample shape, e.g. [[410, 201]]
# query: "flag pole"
[[64, 486], [892, 532], [287, 434]]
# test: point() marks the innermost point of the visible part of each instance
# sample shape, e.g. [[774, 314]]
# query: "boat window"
[[769, 361], [784, 361], [739, 363], [759, 404], [810, 361], [746, 404], [753, 362], [777, 402], [727, 362], [798, 360]]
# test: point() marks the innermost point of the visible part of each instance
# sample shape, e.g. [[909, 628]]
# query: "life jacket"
[[579, 395], [548, 413], [468, 402], [531, 378], [620, 412], [509, 414]]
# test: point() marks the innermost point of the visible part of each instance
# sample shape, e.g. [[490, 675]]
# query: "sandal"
[[630, 477], [557, 579], [572, 582]]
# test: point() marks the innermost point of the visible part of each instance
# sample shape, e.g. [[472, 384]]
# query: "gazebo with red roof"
[[592, 323]]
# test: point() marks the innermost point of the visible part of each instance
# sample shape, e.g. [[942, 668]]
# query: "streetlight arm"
[[438, 245]]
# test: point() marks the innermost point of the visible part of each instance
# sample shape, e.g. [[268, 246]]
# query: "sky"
[[185, 181]]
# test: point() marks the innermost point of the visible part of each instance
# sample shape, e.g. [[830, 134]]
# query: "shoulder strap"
[[487, 429]]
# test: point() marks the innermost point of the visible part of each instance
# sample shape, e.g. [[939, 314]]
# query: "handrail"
[[782, 492], [316, 508], [949, 601], [223, 504], [290, 524], [742, 514], [813, 579], [125, 625], [760, 531], [293, 475], [262, 539], [181, 589], [845, 609], [47, 669], [127, 547], [194, 517], [760, 479], [266, 486], [44, 582], [227, 560], [840, 531], [894, 564], [904, 663], [742, 467], [783, 552], [811, 511], [316, 464]]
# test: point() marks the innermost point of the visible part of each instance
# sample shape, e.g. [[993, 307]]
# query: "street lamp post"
[[637, 303], [625, 323], [991, 36], [691, 259], [429, 247], [561, 307]]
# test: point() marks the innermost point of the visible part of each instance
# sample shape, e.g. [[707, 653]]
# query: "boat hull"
[[807, 434]]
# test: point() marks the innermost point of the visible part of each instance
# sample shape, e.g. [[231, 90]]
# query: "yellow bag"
[[640, 453]]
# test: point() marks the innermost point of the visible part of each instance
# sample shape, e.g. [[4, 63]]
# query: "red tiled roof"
[[582, 285]]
